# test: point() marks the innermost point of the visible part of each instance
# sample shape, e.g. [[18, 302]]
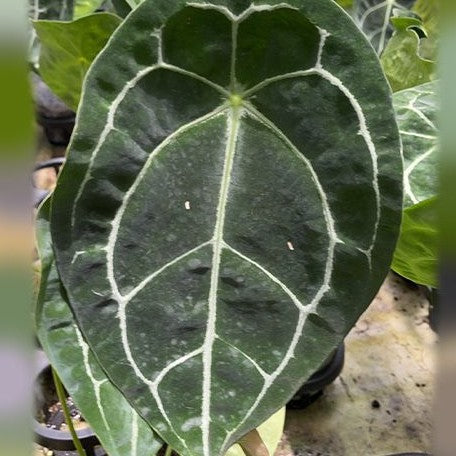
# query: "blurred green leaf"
[[401, 59], [85, 7], [345, 3], [429, 12], [55, 10], [68, 49], [416, 255]]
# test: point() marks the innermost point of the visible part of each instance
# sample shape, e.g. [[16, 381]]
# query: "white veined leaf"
[[417, 110], [229, 169]]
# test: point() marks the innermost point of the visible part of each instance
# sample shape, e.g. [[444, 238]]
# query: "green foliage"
[[68, 49], [200, 223], [86, 7], [417, 251], [416, 112], [120, 429], [373, 18], [402, 62], [429, 12]]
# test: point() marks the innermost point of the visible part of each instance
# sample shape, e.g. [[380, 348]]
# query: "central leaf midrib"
[[232, 134]]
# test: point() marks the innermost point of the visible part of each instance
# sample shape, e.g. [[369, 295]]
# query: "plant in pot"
[[229, 207]]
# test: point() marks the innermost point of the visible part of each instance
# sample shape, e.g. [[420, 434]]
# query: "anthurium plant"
[[229, 207]]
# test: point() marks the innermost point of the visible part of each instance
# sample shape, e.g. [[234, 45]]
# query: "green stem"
[[168, 451], [62, 398]]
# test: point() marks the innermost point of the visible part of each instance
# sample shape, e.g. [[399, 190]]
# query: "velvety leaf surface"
[[416, 111], [121, 431], [373, 18], [417, 251], [402, 61], [229, 207], [69, 48]]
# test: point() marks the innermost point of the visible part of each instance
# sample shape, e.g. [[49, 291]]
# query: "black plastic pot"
[[53, 114], [314, 387], [59, 441], [39, 194]]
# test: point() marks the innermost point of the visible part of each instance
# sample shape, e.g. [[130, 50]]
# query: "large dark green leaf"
[[69, 48], [416, 111], [373, 18], [229, 207], [121, 431], [417, 251]]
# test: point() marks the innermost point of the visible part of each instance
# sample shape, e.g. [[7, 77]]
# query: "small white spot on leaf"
[[191, 423]]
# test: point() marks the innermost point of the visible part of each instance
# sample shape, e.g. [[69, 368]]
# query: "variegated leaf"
[[416, 111], [234, 181], [121, 431], [373, 18]]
